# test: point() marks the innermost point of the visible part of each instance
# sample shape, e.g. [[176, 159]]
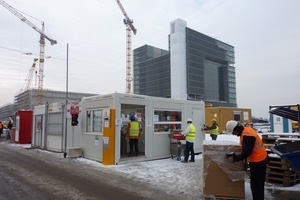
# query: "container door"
[[38, 130], [17, 133], [126, 112], [198, 120]]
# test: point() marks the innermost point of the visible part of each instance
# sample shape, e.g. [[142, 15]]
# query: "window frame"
[[91, 122]]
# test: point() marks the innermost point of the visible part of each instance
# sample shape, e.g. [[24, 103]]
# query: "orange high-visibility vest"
[[259, 152]]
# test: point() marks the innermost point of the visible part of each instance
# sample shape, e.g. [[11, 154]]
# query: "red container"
[[23, 127], [177, 135]]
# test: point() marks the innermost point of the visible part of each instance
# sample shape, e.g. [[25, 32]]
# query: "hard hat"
[[189, 120], [213, 119], [132, 117], [230, 125]]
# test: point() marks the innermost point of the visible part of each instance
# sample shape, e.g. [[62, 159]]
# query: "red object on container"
[[23, 127], [177, 135]]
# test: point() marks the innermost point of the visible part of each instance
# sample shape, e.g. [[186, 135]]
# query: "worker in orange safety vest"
[[254, 150]]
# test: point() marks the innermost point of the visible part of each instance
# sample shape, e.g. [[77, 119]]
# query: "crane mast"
[[29, 78], [43, 36], [129, 28], [22, 100]]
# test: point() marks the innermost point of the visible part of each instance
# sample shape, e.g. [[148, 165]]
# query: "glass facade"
[[210, 71], [151, 71]]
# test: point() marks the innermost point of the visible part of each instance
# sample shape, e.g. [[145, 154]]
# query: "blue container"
[[290, 152], [293, 159]]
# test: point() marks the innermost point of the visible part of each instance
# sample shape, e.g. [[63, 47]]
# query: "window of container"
[[94, 121], [164, 121], [237, 115]]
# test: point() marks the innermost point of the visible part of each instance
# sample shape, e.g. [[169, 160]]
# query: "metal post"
[[73, 136], [66, 110], [46, 125], [298, 118]]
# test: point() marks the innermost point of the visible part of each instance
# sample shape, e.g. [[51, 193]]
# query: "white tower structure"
[[178, 59]]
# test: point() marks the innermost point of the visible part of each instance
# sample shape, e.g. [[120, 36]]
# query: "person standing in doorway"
[[254, 150], [133, 134], [214, 129], [190, 135], [9, 126]]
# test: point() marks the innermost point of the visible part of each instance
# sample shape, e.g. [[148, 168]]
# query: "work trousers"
[[257, 181], [213, 137], [189, 147], [134, 143]]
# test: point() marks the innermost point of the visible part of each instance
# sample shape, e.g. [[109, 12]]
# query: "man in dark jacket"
[[254, 150]]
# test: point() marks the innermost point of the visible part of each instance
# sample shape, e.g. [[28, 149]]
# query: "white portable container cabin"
[[49, 128], [157, 117]]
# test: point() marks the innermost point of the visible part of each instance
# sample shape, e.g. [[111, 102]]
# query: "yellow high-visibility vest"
[[134, 131], [192, 134]]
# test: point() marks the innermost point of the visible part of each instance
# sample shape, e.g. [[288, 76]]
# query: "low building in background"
[[28, 99], [224, 114]]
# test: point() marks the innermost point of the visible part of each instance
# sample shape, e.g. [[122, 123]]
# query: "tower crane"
[[22, 100], [29, 77], [129, 27], [43, 36]]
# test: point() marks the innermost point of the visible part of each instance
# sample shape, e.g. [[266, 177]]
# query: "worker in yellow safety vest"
[[214, 129], [133, 134], [254, 150], [190, 135]]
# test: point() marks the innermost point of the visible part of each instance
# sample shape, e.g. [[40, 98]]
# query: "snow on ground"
[[172, 175]]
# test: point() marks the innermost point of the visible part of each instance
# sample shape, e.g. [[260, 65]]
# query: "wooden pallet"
[[223, 198], [279, 172], [285, 181], [268, 146], [282, 176], [269, 140], [278, 163]]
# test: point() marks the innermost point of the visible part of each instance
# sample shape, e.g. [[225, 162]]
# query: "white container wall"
[[49, 128], [157, 117]]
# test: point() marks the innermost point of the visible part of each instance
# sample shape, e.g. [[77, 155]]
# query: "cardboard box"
[[75, 152], [222, 177]]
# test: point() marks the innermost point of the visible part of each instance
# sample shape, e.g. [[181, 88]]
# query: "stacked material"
[[222, 179]]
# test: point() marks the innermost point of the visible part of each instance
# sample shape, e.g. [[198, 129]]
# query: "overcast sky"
[[265, 34]]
